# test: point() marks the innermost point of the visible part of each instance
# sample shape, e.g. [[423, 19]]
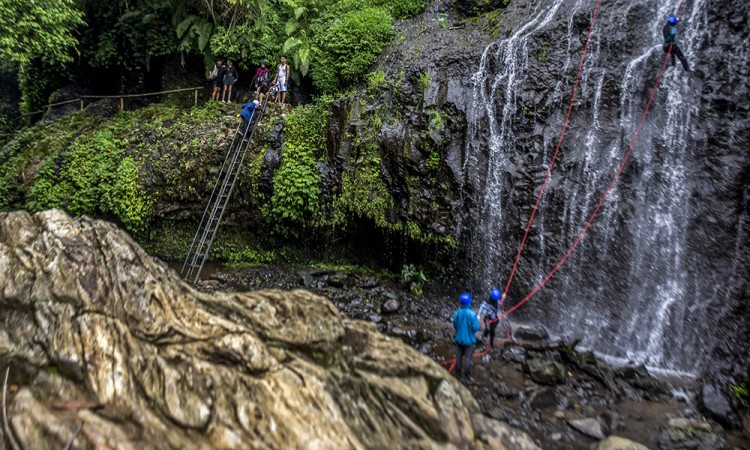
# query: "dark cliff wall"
[[660, 276]]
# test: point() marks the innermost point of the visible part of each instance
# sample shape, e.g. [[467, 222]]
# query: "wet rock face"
[[715, 404], [626, 254], [108, 348]]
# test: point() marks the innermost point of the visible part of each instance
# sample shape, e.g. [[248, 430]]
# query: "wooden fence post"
[[195, 103], [81, 104], [122, 104]]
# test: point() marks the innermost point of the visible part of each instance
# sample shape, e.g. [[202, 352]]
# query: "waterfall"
[[628, 292]]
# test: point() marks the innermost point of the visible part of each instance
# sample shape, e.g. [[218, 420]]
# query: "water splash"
[[627, 289]]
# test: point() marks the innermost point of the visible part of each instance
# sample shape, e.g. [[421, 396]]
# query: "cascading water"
[[629, 291]]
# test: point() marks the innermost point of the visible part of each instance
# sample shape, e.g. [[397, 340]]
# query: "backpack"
[[262, 78]]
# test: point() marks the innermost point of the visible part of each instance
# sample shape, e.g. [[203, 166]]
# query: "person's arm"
[[288, 71], [474, 323], [275, 76]]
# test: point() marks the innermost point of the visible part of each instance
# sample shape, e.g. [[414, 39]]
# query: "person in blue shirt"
[[248, 110], [466, 324], [670, 40]]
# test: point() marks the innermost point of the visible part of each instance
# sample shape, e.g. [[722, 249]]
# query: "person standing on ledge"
[[670, 40], [282, 77], [466, 324]]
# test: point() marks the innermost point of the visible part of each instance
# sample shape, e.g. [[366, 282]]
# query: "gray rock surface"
[[109, 348], [590, 427], [545, 371], [716, 405], [619, 443]]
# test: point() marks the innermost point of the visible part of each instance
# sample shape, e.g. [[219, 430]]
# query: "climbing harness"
[[451, 362]]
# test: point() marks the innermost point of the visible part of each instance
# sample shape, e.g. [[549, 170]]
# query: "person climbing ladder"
[[670, 40]]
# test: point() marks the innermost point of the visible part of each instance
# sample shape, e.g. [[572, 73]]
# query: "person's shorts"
[[229, 80], [282, 86], [263, 89], [216, 83]]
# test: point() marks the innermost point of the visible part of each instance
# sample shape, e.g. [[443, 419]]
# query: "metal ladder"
[[222, 192]]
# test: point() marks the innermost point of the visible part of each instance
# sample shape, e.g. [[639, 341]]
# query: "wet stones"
[[683, 433], [715, 405], [391, 306], [533, 337], [619, 443], [515, 354], [590, 427], [545, 371], [544, 399]]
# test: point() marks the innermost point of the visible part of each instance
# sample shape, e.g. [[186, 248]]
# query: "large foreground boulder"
[[109, 348]]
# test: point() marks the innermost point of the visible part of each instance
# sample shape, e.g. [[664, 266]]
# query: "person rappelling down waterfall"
[[670, 40]]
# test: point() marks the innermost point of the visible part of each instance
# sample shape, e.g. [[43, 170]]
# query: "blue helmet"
[[465, 298], [496, 294], [673, 20]]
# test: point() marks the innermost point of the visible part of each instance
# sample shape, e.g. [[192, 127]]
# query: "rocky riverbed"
[[564, 398], [105, 347]]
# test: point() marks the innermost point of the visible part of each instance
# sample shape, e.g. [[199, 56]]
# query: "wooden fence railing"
[[122, 98]]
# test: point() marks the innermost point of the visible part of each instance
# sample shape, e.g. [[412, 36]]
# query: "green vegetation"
[[741, 392], [375, 81], [424, 81], [56, 41], [442, 20], [67, 164], [542, 55], [347, 48], [414, 278], [241, 255], [36, 29], [296, 183]]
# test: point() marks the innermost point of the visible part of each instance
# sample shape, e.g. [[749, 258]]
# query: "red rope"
[[452, 362], [557, 149], [609, 188]]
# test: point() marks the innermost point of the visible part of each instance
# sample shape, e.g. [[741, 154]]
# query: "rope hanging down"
[[452, 362], [609, 188], [557, 149]]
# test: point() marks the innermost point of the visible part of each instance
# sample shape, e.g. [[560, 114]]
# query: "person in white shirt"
[[282, 77]]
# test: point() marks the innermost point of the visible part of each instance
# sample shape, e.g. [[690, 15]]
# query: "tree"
[[38, 29]]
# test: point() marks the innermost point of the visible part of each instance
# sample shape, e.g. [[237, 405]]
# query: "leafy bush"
[[401, 9], [424, 81], [35, 29], [345, 50], [741, 392], [376, 81], [92, 177], [242, 255], [296, 184], [414, 277]]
